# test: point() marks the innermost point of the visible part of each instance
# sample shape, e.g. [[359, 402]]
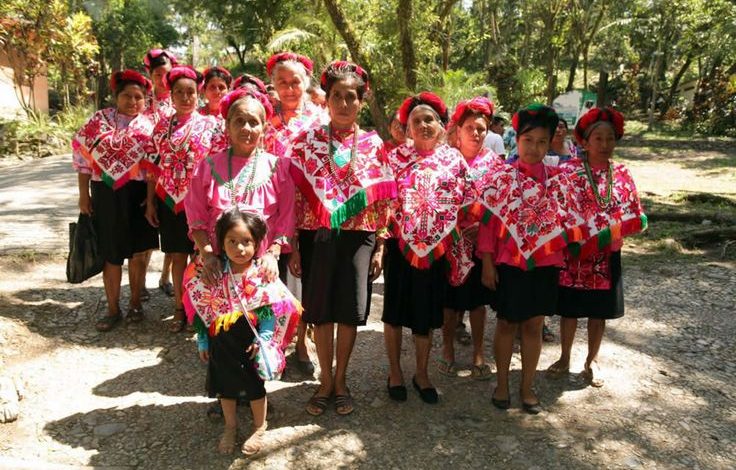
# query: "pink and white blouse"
[[278, 137], [260, 184], [159, 107]]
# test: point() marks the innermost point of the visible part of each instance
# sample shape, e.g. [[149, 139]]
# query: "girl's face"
[[600, 143], [239, 245], [560, 133], [290, 86], [343, 103], [158, 76], [533, 145], [131, 100], [245, 125], [471, 135], [184, 96], [214, 91], [397, 131], [424, 128]]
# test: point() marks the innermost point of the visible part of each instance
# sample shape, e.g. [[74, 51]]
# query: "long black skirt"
[[472, 293], [335, 275], [413, 298], [174, 231], [230, 372], [526, 294], [602, 304], [119, 217]]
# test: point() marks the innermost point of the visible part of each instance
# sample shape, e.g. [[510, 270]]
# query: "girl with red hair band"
[[158, 63], [345, 188], [180, 142], [470, 124], [431, 181], [590, 283], [532, 216], [294, 112], [107, 154], [398, 134], [216, 84]]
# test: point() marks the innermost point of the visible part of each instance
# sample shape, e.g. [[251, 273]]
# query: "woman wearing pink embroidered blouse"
[[590, 283], [180, 142], [521, 246], [243, 176], [471, 121], [107, 153], [345, 187], [431, 184]]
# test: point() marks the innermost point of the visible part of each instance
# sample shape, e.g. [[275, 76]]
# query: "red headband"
[[129, 76], [240, 93], [426, 98], [248, 79], [154, 54], [283, 56], [479, 104], [340, 65], [595, 115], [216, 71], [182, 71]]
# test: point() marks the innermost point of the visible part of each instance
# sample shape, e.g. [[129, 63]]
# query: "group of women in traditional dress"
[[255, 183]]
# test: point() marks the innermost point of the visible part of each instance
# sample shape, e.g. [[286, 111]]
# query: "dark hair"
[[253, 222], [158, 61], [498, 120], [218, 72], [342, 70]]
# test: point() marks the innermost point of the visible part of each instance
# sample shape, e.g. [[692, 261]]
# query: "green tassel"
[[199, 326], [351, 207], [169, 201], [604, 238], [264, 313], [574, 249], [644, 222], [108, 179], [530, 264], [487, 217]]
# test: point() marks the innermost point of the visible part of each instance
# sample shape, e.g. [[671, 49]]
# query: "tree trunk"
[[403, 15], [573, 70], [676, 83], [655, 82], [375, 99], [241, 54], [601, 100]]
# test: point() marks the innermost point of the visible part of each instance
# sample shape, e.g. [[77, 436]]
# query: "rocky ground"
[[133, 398]]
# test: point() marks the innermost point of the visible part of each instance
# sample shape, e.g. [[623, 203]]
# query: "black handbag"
[[85, 259]]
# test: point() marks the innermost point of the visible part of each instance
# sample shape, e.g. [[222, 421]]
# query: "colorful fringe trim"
[[603, 239], [175, 207], [424, 262]]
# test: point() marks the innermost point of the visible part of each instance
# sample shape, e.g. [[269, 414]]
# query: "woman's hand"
[[85, 204], [253, 350], [376, 265], [204, 356], [269, 266], [151, 215], [489, 276], [295, 263], [211, 268]]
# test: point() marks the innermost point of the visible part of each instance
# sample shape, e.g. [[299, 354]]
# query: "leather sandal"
[[255, 441], [108, 322]]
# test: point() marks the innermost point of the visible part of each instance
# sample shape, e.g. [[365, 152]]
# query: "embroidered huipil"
[[608, 219], [432, 189], [159, 107], [261, 184], [179, 144], [341, 191], [111, 147], [530, 215], [278, 137]]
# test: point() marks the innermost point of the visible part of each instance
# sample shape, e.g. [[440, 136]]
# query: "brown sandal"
[[177, 324], [255, 442], [317, 405], [108, 322], [135, 315], [344, 404]]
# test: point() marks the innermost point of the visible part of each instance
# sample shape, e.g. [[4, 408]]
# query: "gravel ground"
[[133, 398]]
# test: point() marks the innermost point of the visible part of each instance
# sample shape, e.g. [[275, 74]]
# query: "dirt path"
[[133, 398]]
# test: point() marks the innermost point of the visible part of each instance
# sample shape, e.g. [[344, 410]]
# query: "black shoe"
[[533, 408], [397, 392], [428, 395], [500, 404]]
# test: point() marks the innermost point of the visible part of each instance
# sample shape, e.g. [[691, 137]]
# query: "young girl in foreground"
[[229, 344]]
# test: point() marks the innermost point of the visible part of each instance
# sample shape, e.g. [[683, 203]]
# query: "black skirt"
[[335, 275], [526, 294], [414, 298], [230, 372], [595, 303], [119, 217], [174, 231], [472, 293]]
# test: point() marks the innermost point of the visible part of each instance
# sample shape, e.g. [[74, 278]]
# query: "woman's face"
[[533, 145], [471, 135], [158, 76], [131, 100], [184, 96], [560, 133], [397, 131], [600, 143], [343, 103], [239, 245], [290, 86], [424, 128], [214, 91], [245, 125]]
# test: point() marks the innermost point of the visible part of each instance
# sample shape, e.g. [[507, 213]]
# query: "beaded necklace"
[[602, 201], [176, 147], [332, 166], [235, 187], [116, 140]]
